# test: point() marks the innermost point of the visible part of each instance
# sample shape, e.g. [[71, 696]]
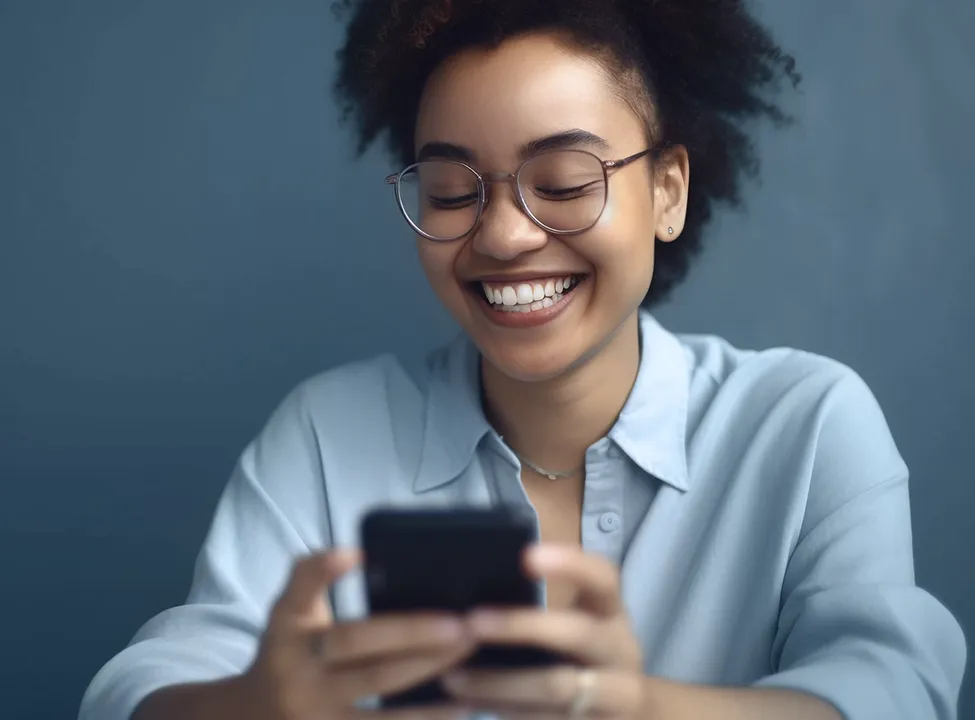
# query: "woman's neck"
[[553, 422]]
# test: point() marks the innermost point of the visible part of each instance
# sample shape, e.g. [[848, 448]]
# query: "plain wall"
[[184, 236]]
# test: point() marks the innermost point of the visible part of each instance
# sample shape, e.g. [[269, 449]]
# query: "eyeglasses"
[[563, 192]]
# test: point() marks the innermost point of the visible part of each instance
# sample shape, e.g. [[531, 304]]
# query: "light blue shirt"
[[756, 503]]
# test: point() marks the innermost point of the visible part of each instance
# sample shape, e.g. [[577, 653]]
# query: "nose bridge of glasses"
[[498, 178], [515, 201], [491, 179], [508, 229]]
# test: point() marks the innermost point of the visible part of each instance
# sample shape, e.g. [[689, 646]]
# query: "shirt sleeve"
[[272, 511], [854, 629]]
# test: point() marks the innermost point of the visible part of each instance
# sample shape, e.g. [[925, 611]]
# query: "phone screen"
[[452, 560]]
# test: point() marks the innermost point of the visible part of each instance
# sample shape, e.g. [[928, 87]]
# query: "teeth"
[[526, 297], [535, 305]]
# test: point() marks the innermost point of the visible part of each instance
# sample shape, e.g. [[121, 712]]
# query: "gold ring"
[[585, 694]]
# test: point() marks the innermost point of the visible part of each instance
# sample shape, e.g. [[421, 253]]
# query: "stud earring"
[[670, 230]]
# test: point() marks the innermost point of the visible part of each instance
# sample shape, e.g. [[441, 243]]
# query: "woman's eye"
[[566, 193], [453, 201]]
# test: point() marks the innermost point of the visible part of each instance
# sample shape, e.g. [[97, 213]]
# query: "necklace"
[[550, 474]]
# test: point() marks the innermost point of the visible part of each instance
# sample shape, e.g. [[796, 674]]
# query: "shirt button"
[[608, 522]]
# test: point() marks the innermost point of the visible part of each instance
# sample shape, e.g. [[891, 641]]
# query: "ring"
[[585, 693]]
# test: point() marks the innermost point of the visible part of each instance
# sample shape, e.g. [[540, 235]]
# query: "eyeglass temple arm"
[[617, 164]]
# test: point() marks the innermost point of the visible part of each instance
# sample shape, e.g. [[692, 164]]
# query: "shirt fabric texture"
[[755, 502]]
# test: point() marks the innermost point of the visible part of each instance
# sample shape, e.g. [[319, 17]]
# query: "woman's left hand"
[[609, 680]]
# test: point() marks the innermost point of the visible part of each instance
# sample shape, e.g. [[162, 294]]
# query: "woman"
[[724, 534]]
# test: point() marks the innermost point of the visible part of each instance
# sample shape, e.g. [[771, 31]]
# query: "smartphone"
[[451, 560]]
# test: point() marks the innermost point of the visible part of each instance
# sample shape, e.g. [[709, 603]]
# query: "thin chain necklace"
[[550, 474]]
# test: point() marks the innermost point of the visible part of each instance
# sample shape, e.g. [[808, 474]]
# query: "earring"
[[670, 230]]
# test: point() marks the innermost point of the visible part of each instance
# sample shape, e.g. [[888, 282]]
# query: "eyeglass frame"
[[483, 181]]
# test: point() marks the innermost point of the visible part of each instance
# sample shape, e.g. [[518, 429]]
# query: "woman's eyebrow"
[[563, 141], [445, 151], [559, 141]]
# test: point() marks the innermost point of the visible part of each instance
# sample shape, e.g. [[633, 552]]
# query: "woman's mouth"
[[529, 296]]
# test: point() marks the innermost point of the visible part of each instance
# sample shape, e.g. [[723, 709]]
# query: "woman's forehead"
[[494, 101]]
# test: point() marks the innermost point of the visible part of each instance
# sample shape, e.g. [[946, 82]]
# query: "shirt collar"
[[455, 423], [650, 429]]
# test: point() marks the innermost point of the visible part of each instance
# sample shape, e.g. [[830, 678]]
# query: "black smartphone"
[[451, 560]]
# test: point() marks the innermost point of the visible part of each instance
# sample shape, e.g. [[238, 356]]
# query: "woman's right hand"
[[310, 668]]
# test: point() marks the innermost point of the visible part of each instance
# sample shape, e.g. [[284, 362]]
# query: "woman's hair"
[[694, 70]]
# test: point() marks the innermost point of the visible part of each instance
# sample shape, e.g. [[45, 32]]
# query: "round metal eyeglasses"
[[563, 192]]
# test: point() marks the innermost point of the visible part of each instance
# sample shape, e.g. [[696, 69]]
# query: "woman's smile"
[[526, 302]]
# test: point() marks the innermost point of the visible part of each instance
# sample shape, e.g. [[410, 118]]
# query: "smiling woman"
[[544, 130], [723, 533]]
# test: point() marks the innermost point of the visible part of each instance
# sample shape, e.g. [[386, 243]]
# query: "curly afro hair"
[[697, 70]]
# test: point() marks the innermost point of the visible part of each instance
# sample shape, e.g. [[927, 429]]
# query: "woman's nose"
[[505, 230]]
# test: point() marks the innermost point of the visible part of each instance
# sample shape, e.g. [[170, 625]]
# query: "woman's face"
[[492, 106]]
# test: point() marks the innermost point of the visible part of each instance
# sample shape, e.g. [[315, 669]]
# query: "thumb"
[[304, 596]]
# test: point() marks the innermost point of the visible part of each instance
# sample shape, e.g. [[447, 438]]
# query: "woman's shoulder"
[[791, 401], [770, 375], [357, 394], [360, 422]]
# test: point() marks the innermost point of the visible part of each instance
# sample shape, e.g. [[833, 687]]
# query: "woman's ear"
[[671, 180]]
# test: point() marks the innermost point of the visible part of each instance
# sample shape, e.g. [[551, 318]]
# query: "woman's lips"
[[527, 304]]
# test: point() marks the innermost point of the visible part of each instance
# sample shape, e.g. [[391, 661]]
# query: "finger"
[[570, 633], [363, 640], [535, 714], [304, 595], [616, 694], [428, 712], [595, 578], [538, 714], [392, 674]]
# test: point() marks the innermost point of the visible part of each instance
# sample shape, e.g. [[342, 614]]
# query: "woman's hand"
[[310, 668], [595, 632]]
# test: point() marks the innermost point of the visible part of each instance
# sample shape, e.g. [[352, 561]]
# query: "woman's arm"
[[216, 700], [675, 701], [271, 513], [856, 638], [853, 628]]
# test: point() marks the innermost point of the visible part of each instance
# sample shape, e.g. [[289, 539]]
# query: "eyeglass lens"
[[565, 191]]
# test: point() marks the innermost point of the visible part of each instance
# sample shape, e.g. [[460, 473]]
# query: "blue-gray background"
[[184, 236]]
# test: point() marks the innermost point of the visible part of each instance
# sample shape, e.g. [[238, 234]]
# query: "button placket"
[[610, 522], [602, 520]]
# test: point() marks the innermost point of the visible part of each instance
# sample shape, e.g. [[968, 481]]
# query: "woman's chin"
[[529, 364]]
